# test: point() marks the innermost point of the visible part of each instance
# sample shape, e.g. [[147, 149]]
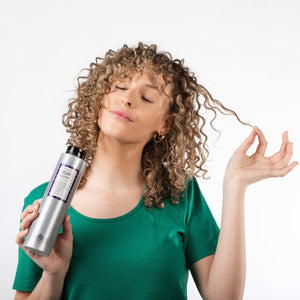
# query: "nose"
[[126, 101]]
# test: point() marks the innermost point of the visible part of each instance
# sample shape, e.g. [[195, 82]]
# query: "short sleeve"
[[28, 272], [202, 231]]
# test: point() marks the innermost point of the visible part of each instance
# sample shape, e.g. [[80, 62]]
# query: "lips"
[[122, 115]]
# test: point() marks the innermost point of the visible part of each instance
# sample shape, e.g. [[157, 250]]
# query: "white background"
[[245, 52]]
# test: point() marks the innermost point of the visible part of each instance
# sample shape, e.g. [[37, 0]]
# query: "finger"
[[27, 221], [20, 241], [285, 137], [20, 237], [284, 161], [262, 146], [30, 208], [247, 142], [283, 164], [285, 140], [283, 171]]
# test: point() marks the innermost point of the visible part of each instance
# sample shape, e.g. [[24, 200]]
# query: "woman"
[[139, 220]]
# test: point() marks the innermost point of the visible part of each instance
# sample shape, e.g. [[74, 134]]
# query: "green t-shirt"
[[143, 255]]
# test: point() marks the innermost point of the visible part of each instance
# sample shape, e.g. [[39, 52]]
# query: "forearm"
[[227, 274], [226, 278], [49, 287]]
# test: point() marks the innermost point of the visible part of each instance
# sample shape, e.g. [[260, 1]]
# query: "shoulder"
[[196, 207], [191, 200], [192, 191], [189, 196]]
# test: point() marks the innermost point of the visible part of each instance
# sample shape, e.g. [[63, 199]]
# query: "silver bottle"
[[56, 201]]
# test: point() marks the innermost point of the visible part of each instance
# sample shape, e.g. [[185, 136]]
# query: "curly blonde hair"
[[181, 155]]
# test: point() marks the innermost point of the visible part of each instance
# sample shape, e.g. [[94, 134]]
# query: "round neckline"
[[109, 220]]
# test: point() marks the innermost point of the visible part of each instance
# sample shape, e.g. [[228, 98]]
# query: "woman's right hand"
[[59, 259]]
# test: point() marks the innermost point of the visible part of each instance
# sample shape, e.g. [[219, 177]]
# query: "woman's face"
[[134, 110]]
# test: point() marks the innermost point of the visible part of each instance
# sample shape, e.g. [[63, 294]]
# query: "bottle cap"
[[76, 151]]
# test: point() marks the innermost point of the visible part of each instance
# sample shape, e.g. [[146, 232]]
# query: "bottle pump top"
[[76, 151]]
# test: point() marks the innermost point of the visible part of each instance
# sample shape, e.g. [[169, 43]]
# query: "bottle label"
[[63, 182]]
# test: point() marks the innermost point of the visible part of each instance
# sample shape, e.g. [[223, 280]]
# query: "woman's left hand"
[[249, 169]]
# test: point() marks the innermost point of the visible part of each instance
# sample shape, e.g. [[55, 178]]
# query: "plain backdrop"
[[246, 53]]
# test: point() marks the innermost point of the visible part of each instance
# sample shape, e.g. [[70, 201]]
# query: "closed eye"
[[124, 89], [120, 88], [146, 99]]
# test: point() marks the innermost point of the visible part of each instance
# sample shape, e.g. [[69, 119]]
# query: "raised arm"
[[222, 276]]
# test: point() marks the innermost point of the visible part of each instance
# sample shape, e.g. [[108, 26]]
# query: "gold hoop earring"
[[157, 138]]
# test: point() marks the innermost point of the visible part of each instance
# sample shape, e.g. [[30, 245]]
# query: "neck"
[[116, 165]]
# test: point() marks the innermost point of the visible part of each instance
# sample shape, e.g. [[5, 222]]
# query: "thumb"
[[67, 228], [243, 148]]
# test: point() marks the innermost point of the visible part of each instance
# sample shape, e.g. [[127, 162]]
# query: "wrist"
[[54, 276], [234, 183], [234, 190]]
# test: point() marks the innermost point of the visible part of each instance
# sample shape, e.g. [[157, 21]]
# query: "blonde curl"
[[183, 152]]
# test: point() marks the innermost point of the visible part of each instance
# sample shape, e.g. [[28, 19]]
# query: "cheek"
[[105, 101], [154, 121], [160, 115], [100, 113], [104, 105]]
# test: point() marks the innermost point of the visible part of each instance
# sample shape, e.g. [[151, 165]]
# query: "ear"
[[166, 126]]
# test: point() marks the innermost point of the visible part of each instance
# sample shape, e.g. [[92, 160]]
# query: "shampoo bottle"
[[56, 201]]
